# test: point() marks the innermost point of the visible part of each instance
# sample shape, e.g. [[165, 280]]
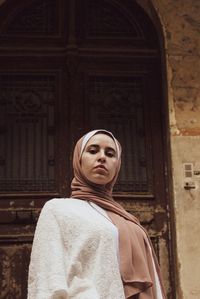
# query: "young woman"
[[87, 246]]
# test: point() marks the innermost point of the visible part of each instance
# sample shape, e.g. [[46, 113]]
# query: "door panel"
[[116, 102], [68, 67], [14, 269], [28, 121]]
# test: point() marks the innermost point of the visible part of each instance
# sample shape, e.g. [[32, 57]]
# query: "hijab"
[[137, 257]]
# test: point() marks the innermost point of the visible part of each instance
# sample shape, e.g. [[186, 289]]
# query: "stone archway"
[[57, 56]]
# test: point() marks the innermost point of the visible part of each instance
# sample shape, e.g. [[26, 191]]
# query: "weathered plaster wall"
[[181, 25], [187, 209]]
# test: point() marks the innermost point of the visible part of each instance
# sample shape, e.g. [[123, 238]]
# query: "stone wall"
[[181, 26]]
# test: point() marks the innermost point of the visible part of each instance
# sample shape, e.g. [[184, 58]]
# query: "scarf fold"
[[135, 248]]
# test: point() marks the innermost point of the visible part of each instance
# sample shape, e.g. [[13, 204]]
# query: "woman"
[[88, 246]]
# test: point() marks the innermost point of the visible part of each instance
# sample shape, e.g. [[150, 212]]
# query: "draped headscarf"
[[138, 262]]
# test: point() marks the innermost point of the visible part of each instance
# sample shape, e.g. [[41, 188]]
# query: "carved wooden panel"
[[14, 270], [107, 19], [117, 103], [33, 18], [112, 21], [27, 132], [43, 111]]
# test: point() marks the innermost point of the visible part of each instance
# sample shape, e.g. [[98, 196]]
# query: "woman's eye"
[[110, 154], [92, 151]]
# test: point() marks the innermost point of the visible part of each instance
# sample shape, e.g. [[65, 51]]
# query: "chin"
[[99, 180]]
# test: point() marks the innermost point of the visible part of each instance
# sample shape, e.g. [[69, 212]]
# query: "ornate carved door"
[[67, 67]]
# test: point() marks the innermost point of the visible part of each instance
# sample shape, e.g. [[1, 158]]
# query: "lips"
[[101, 168]]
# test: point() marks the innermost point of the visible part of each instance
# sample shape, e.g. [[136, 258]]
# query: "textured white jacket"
[[74, 254]]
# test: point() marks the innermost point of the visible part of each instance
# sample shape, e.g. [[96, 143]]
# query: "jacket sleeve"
[[48, 265]]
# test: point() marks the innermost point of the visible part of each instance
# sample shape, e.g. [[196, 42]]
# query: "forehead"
[[102, 140]]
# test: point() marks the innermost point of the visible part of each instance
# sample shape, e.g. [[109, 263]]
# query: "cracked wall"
[[181, 26]]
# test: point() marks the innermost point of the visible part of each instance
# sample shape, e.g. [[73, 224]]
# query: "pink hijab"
[[137, 257]]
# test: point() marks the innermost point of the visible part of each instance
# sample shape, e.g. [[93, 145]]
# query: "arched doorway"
[[67, 67]]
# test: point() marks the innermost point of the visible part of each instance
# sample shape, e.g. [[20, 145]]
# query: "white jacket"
[[74, 254]]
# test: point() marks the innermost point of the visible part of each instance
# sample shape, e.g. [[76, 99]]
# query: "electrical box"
[[188, 179]]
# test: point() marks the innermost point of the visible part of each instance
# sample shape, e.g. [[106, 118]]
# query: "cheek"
[[83, 165], [85, 162], [114, 167]]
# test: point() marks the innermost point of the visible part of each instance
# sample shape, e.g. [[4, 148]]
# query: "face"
[[99, 159]]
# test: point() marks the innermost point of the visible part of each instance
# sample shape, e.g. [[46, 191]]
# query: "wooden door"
[[68, 67]]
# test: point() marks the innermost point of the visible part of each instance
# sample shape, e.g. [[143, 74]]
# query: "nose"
[[102, 156]]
